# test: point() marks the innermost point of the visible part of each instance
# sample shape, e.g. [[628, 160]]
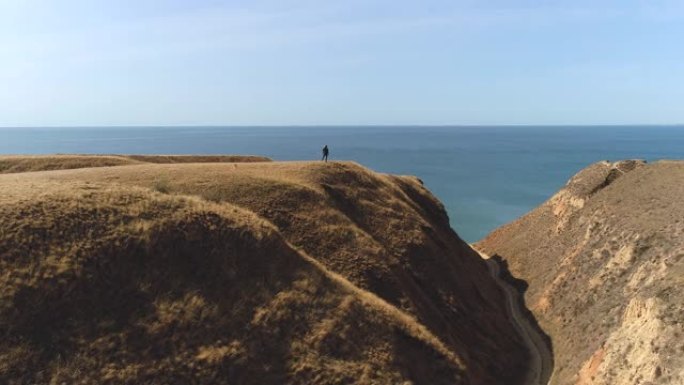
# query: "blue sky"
[[145, 62]]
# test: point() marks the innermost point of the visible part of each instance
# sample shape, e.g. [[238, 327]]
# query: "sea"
[[486, 176]]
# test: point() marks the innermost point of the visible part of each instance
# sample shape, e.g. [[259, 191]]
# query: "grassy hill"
[[604, 260], [27, 163], [277, 272]]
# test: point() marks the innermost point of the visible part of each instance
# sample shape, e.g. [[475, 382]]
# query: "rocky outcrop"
[[584, 184], [604, 260]]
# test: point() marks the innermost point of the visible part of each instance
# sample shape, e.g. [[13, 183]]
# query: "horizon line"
[[383, 125]]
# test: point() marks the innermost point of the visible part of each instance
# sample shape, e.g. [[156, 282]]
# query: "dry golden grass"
[[283, 272], [197, 158], [105, 283], [26, 163]]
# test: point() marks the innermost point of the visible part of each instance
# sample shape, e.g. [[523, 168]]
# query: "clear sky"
[[183, 62]]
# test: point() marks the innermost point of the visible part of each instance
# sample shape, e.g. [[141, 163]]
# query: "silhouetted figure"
[[325, 153]]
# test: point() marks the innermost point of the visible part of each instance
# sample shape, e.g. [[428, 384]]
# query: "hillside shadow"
[[521, 287]]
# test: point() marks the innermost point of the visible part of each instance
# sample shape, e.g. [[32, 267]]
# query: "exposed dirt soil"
[[604, 259]]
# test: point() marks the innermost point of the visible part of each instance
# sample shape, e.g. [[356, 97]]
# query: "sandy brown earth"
[[264, 273], [604, 260]]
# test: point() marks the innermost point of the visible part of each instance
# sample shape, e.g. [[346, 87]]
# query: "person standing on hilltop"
[[325, 153]]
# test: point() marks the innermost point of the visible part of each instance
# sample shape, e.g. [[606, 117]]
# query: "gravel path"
[[541, 365]]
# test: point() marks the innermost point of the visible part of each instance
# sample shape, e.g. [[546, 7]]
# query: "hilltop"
[[27, 163], [604, 263], [263, 272]]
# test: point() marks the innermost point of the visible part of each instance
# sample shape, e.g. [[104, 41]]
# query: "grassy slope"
[[604, 259], [106, 283], [27, 163], [382, 236]]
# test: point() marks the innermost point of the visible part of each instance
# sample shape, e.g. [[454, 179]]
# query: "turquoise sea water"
[[486, 176]]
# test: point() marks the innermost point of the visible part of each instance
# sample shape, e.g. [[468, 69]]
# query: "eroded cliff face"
[[243, 273], [604, 260]]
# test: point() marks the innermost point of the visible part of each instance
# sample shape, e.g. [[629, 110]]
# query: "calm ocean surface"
[[486, 176]]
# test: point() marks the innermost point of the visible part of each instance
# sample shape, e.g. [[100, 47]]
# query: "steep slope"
[[541, 356], [604, 260], [26, 163], [104, 284], [386, 236]]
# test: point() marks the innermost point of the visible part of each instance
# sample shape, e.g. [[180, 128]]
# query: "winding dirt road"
[[541, 363]]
